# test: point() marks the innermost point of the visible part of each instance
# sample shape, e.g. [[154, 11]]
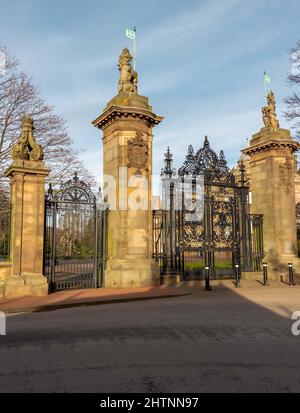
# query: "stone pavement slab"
[[250, 289], [76, 298]]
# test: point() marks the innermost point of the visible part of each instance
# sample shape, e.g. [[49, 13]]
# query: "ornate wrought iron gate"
[[75, 237], [225, 236]]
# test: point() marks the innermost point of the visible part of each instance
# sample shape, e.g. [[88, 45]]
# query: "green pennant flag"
[[130, 34], [267, 79]]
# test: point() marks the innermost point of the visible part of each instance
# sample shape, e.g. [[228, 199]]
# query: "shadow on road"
[[224, 341]]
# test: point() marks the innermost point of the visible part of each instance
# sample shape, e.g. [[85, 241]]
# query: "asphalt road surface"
[[218, 342]]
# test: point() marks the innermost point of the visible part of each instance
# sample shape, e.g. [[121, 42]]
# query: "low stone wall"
[[5, 272]]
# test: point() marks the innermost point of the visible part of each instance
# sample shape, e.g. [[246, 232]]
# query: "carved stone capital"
[[272, 144], [114, 113]]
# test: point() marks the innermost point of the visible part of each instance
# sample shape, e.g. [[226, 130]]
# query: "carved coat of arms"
[[138, 152]]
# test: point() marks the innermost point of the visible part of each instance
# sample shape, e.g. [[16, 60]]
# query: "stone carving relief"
[[138, 152], [286, 175], [26, 147]]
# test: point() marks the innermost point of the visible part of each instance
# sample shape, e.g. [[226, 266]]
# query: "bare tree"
[[19, 96], [293, 101]]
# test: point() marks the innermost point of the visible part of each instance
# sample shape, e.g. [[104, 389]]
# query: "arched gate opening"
[[75, 237]]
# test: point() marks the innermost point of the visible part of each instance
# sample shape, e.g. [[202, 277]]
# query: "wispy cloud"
[[200, 63], [182, 27]]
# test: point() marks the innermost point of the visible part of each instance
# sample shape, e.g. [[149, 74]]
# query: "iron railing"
[[175, 252], [254, 241], [4, 234]]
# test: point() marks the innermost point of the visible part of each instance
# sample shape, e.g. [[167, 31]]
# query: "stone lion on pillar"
[[269, 113], [128, 77]]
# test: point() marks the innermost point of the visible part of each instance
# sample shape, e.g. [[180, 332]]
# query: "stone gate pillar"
[[27, 180], [272, 166], [127, 124]]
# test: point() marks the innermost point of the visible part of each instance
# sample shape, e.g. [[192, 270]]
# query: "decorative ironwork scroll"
[[74, 190], [222, 224], [206, 162]]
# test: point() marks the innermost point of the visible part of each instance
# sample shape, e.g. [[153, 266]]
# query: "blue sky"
[[201, 63]]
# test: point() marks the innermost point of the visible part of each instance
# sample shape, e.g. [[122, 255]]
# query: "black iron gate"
[[75, 237], [4, 233], [224, 237]]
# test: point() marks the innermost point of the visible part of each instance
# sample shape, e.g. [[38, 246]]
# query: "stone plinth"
[[127, 124], [27, 180], [272, 164], [5, 272]]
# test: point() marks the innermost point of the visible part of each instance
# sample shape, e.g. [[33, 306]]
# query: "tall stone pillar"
[[272, 166], [127, 124], [27, 179]]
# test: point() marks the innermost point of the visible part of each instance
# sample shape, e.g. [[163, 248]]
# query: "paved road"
[[200, 343]]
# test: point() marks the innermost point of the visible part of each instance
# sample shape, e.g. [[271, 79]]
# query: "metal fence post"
[[104, 244], [96, 218]]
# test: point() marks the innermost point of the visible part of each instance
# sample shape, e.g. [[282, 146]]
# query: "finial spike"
[[168, 170], [206, 142]]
